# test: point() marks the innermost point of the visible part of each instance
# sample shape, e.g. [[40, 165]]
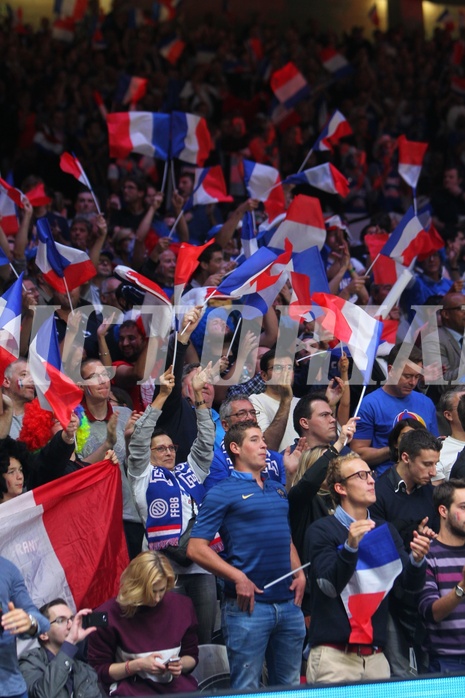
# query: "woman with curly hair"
[[150, 644]]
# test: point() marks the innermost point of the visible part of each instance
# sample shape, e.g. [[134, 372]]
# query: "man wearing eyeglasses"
[[447, 352], [276, 404], [234, 410], [53, 670], [355, 563]]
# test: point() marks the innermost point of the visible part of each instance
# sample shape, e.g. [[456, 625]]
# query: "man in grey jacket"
[[52, 670]]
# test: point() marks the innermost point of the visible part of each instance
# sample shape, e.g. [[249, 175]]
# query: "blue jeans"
[[447, 665], [274, 631]]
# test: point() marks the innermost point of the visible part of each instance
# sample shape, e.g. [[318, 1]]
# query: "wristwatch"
[[34, 625], [459, 591]]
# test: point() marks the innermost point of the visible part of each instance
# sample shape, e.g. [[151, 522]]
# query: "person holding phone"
[[53, 670], [150, 644]]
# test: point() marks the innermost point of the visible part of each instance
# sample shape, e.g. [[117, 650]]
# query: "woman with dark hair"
[[150, 645], [402, 427]]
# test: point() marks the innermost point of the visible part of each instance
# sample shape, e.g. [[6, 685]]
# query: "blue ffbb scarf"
[[164, 503]]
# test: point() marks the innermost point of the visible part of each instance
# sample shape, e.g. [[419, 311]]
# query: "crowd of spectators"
[[165, 419]]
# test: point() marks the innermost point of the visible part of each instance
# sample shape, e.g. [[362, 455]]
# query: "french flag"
[[165, 10], [303, 226], [9, 220], [130, 89], [191, 140], [142, 282], [263, 183], [56, 392], [71, 165], [350, 324], [373, 15], [172, 49], [289, 85], [446, 19], [10, 324], [335, 63], [63, 29], [71, 8], [64, 268], [378, 566], [11, 192], [411, 155], [187, 263], [249, 240], [325, 177], [307, 275], [258, 280], [431, 241], [405, 242], [140, 132], [157, 311], [389, 271], [209, 187], [37, 196], [336, 128], [67, 537]]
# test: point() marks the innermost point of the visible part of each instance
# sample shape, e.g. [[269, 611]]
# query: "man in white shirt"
[[454, 443]]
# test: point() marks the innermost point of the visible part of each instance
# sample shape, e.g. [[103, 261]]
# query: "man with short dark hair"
[[348, 627], [455, 442], [52, 670], [250, 511], [382, 408], [442, 598]]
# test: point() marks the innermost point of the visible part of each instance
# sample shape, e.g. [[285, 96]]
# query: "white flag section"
[[67, 537]]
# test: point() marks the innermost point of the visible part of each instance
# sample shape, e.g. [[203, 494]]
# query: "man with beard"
[[442, 599]]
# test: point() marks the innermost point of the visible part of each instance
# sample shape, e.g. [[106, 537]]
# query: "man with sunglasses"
[[354, 565], [53, 669]]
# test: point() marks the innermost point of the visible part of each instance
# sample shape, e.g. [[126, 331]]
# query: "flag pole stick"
[[414, 191], [165, 173], [305, 161], [17, 276], [234, 336], [67, 293], [95, 200], [280, 579], [204, 304], [308, 356], [362, 394], [176, 222], [373, 264], [176, 346], [173, 178]]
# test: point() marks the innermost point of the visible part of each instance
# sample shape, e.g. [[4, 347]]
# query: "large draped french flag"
[[378, 566], [67, 537]]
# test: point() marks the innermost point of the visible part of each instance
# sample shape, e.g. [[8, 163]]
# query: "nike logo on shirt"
[[246, 496]]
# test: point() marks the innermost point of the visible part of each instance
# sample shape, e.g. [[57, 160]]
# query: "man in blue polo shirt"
[[250, 511]]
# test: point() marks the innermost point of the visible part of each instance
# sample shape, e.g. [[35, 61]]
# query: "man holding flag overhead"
[[355, 564]]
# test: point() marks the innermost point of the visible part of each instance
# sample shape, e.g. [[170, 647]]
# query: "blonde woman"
[[150, 644]]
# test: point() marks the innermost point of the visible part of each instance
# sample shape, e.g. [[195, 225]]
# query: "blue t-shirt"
[[379, 413], [254, 527], [222, 466]]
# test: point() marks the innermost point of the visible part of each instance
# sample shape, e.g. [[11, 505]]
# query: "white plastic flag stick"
[[297, 569]]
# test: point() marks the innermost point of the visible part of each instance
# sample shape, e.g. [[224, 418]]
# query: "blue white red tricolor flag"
[[56, 392], [289, 85], [11, 192], [411, 155], [187, 263], [191, 140], [209, 187], [172, 49], [263, 183], [303, 226], [70, 8], [325, 177], [130, 89], [335, 63], [350, 324], [59, 263], [9, 217], [378, 566], [70, 164], [405, 242], [10, 324], [140, 132], [336, 128], [67, 537], [258, 280]]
